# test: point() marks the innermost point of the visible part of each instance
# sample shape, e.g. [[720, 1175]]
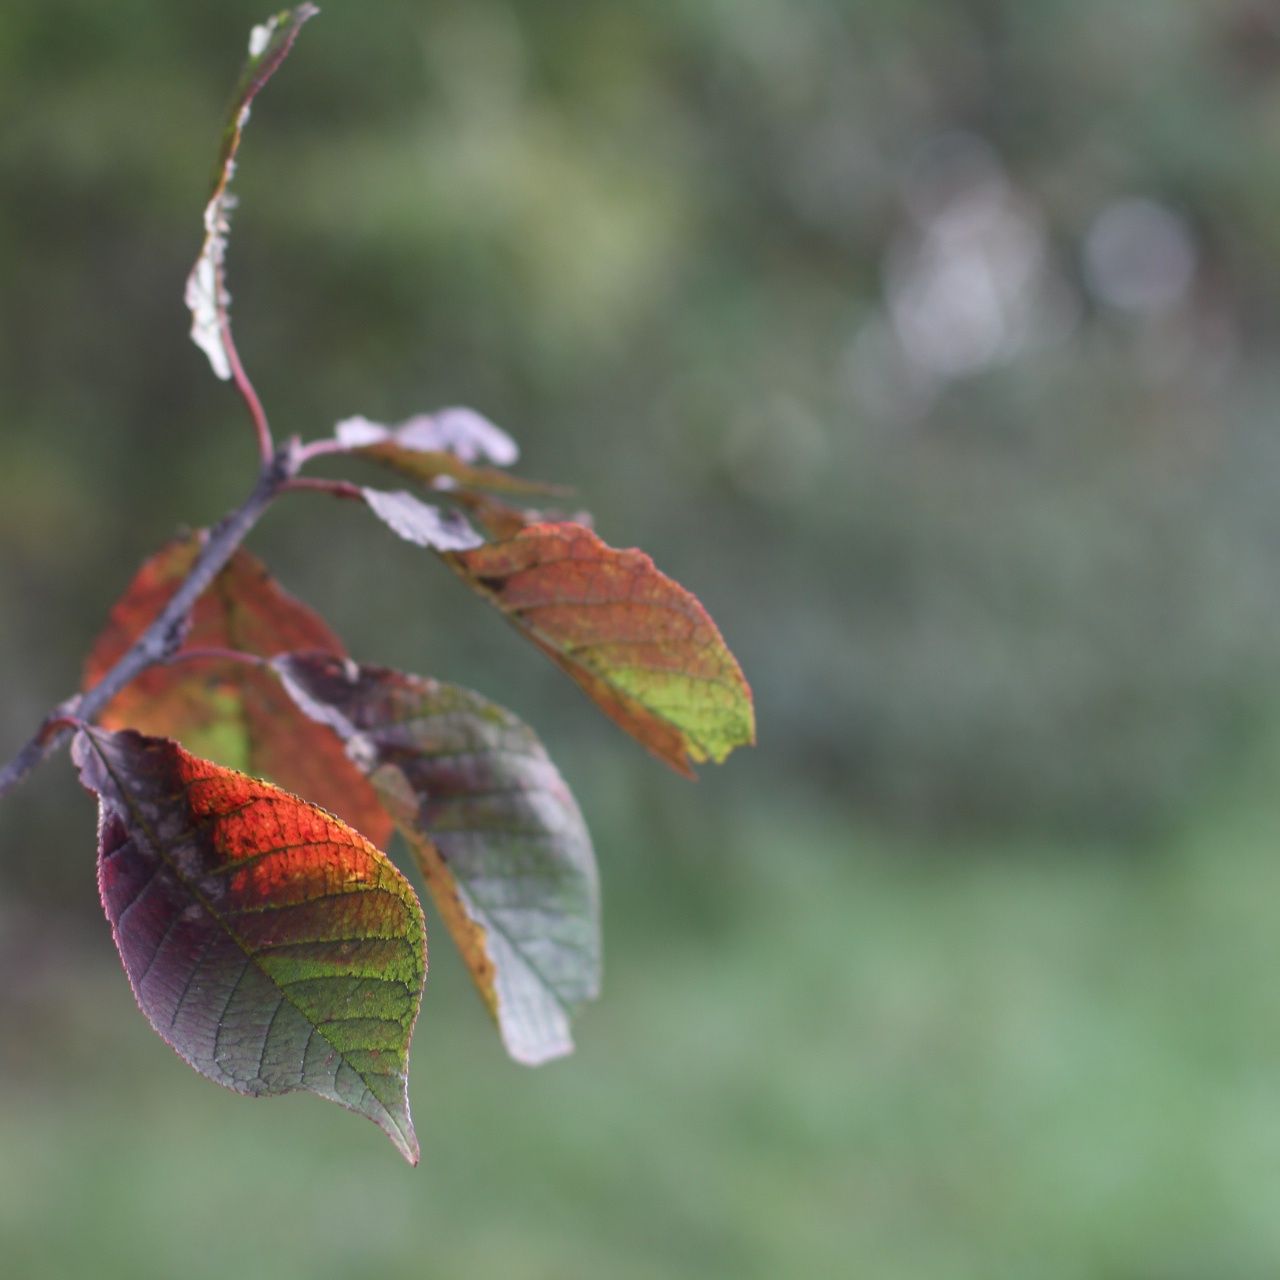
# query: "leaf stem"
[[321, 448], [262, 428], [314, 484], [162, 638]]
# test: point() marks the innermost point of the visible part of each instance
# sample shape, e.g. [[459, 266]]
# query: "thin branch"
[[313, 484], [266, 446], [163, 637], [320, 449]]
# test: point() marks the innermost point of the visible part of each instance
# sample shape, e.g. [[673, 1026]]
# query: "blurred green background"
[[933, 345]]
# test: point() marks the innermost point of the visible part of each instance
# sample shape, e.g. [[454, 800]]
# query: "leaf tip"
[[261, 36], [537, 1053], [404, 1139]]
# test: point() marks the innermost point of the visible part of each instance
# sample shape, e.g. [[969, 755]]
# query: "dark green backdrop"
[[932, 344]]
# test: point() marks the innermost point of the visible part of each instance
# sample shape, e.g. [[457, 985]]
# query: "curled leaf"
[[273, 947], [638, 643], [466, 434], [442, 450], [497, 833], [227, 710], [421, 523], [206, 293]]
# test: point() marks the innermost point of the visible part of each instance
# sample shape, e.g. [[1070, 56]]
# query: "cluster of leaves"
[[267, 937]]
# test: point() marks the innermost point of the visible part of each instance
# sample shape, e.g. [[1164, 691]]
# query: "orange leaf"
[[639, 644], [227, 710]]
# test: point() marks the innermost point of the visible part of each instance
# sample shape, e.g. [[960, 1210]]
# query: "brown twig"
[[262, 428]]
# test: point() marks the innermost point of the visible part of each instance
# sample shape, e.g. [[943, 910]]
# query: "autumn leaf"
[[497, 518], [501, 520], [497, 833], [441, 450], [273, 947], [638, 643], [465, 434], [206, 293], [422, 523], [227, 710]]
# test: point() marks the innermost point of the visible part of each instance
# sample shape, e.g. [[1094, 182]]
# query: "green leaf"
[[638, 643], [270, 944], [497, 833]]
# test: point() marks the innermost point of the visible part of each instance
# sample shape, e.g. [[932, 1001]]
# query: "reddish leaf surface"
[[502, 520], [271, 945], [227, 710], [639, 644], [206, 294], [497, 833]]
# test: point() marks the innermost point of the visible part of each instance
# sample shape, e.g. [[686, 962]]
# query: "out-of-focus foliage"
[[949, 324], [930, 343]]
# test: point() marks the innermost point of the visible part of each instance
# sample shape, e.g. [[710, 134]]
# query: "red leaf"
[[225, 709], [639, 644], [500, 520], [273, 947]]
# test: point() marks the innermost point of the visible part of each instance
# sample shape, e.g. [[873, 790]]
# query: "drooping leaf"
[[440, 529], [227, 710], [206, 293], [273, 947], [497, 833], [641, 646], [441, 450]]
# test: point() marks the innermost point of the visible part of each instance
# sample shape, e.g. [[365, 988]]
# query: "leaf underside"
[[226, 710], [442, 450], [500, 840], [273, 947], [440, 529], [637, 642]]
